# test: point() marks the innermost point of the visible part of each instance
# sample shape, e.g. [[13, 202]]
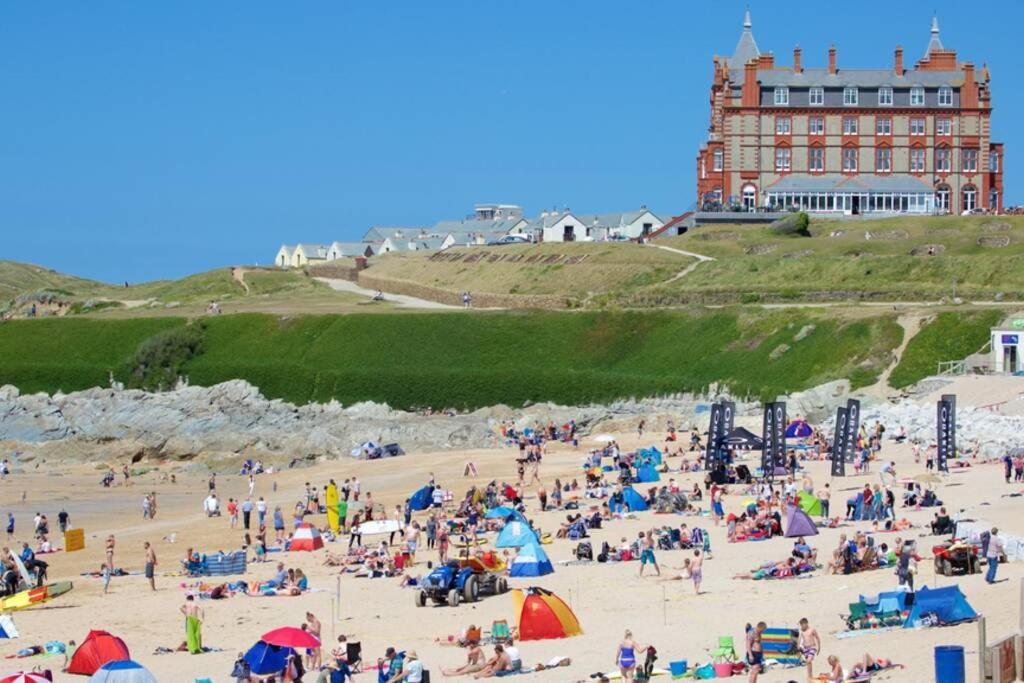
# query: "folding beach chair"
[[354, 656], [726, 651], [500, 630]]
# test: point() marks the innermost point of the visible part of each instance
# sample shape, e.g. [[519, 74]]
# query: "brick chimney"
[[766, 61], [797, 67], [832, 60], [751, 91], [898, 61], [969, 92]]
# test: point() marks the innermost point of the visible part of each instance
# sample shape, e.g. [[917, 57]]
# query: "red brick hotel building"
[[853, 141]]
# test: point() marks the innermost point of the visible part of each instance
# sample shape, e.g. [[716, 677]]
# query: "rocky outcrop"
[[234, 419]]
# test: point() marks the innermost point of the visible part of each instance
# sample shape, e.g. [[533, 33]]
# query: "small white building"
[[631, 224], [1007, 343], [340, 250], [308, 254], [562, 227], [284, 256]]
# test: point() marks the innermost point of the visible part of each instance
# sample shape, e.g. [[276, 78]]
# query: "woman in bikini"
[[625, 657]]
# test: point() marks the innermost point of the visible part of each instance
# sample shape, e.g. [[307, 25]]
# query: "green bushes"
[[950, 336], [158, 361], [796, 224]]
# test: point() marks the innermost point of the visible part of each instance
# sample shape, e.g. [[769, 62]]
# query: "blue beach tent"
[[631, 499], [531, 561], [265, 659], [947, 603], [422, 499], [516, 534], [646, 474]]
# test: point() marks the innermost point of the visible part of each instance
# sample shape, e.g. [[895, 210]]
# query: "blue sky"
[[146, 140]]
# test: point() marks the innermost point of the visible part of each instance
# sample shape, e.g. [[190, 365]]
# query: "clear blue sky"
[[144, 140]]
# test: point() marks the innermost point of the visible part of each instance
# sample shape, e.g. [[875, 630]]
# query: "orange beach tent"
[[542, 615]]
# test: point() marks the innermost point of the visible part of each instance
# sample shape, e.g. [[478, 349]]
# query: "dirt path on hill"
[[402, 300], [911, 324], [238, 274], [701, 258]]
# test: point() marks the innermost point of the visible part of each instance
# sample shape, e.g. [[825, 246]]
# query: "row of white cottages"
[[484, 227]]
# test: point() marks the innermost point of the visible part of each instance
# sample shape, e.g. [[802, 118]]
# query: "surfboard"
[[34, 596], [379, 526]]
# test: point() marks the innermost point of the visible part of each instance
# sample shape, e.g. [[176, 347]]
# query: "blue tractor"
[[449, 584]]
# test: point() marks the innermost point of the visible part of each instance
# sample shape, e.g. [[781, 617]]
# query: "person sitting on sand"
[[835, 674], [496, 665], [869, 665], [679, 577], [474, 662]]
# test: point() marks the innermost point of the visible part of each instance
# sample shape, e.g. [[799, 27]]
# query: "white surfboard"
[[379, 526]]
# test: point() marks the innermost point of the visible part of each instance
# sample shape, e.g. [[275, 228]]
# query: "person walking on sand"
[[810, 645], [314, 627], [755, 650], [992, 553], [110, 552], [150, 565], [625, 657], [246, 513], [647, 553], [193, 625], [695, 570]]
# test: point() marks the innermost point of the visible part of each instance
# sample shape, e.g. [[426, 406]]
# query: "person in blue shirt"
[[27, 555], [10, 525]]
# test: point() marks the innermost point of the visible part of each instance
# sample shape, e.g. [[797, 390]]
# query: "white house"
[[284, 256], [395, 244], [561, 227], [339, 250], [307, 254], [631, 224]]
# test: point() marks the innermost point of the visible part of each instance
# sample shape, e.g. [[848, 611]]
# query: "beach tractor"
[[956, 557], [449, 584]]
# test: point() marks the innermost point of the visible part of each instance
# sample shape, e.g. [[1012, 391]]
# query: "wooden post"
[[982, 643]]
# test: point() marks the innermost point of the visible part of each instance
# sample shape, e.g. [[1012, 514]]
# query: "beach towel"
[[193, 635]]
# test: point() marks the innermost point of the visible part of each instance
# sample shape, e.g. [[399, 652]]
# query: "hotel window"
[[783, 159], [850, 125], [969, 157], [849, 160], [850, 97], [943, 160], [885, 96], [883, 160], [883, 126], [945, 96], [816, 126], [917, 126], [781, 96], [943, 126], [917, 160], [718, 160], [917, 97], [783, 125], [993, 162], [817, 96], [816, 160]]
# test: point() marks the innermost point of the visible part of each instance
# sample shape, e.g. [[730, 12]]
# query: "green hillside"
[[453, 359]]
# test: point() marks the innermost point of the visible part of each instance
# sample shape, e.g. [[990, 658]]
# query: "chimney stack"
[[797, 67], [832, 60], [899, 61]]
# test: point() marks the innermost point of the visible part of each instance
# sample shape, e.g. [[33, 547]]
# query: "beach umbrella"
[[264, 658], [289, 636], [499, 512], [122, 671], [798, 429], [24, 677]]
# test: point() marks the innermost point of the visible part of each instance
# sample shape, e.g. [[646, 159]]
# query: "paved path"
[[402, 300]]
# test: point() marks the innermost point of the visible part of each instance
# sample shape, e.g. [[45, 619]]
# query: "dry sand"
[[608, 598]]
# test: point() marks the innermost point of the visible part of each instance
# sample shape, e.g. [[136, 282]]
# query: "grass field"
[[453, 359], [603, 267], [949, 336]]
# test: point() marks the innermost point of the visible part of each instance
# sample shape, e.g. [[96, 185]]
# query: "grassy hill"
[[454, 359], [18, 278]]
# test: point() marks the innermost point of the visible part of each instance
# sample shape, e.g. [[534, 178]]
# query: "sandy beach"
[[607, 598]]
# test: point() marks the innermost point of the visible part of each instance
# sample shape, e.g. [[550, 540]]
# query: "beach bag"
[[584, 551], [704, 672]]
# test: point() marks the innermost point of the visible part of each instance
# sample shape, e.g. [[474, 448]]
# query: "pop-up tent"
[[422, 499], [122, 671], [810, 504], [7, 627], [531, 561], [542, 615], [500, 512], [646, 474], [948, 604], [630, 499], [650, 455], [516, 534], [798, 523], [743, 439], [98, 648], [306, 537]]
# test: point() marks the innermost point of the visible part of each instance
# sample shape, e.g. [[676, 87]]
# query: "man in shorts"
[[755, 651], [647, 553], [810, 644], [150, 565]]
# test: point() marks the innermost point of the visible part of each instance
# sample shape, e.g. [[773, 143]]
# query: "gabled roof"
[[614, 220], [288, 249], [379, 233], [475, 226], [349, 247], [543, 222], [313, 250]]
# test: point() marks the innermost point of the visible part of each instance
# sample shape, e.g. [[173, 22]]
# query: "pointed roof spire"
[[746, 49], [934, 43]]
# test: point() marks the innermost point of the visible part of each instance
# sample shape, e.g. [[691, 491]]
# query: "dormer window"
[[945, 96], [781, 97], [885, 97], [850, 96], [817, 96], [917, 96]]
